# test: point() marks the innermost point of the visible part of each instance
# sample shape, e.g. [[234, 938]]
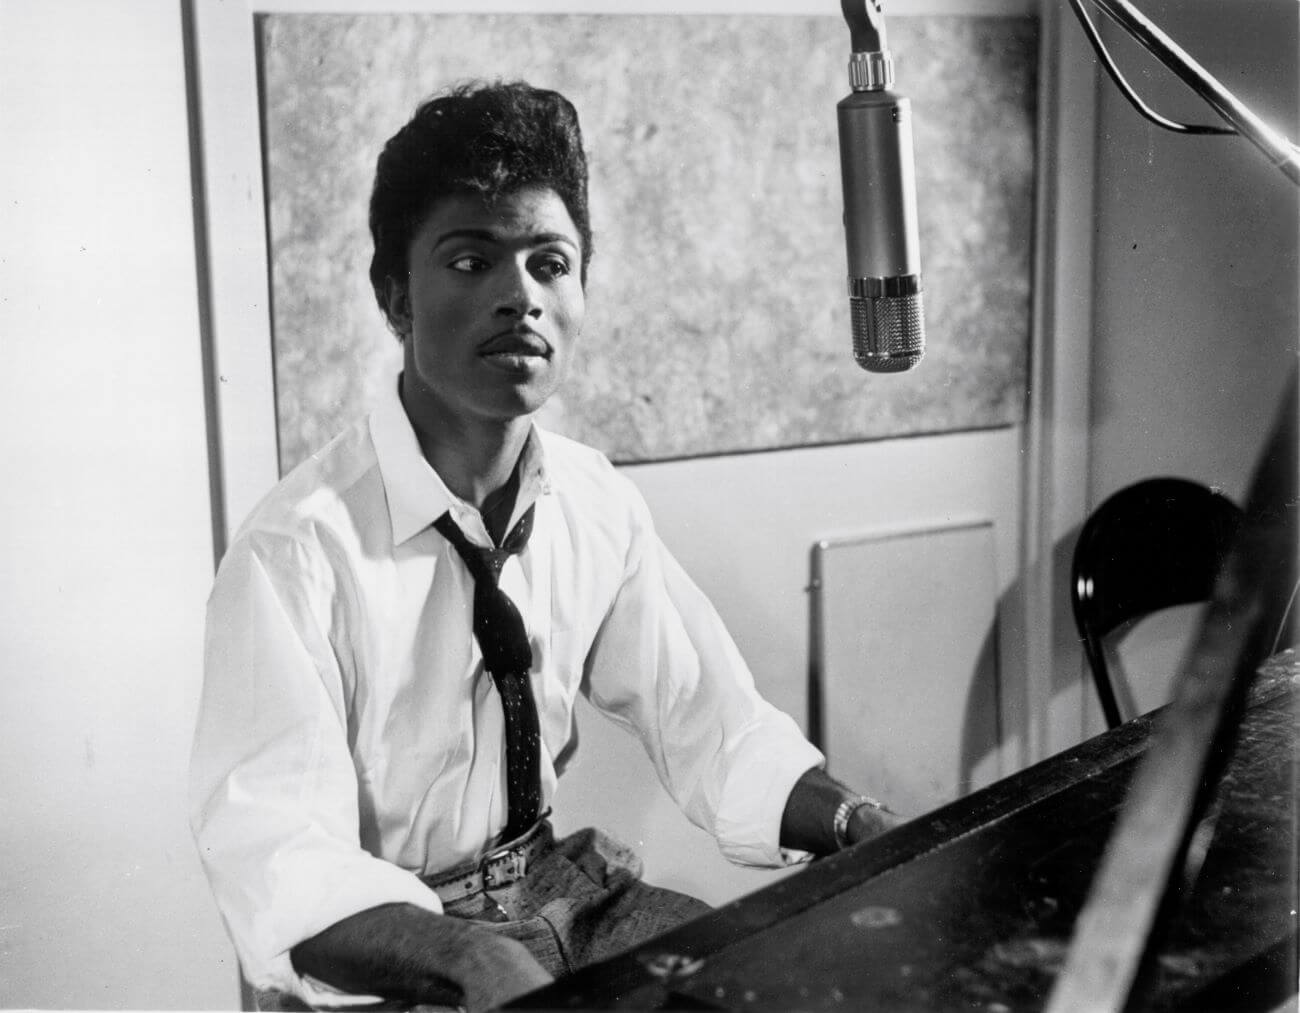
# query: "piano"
[[973, 906]]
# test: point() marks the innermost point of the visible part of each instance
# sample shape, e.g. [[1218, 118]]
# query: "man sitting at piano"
[[399, 631]]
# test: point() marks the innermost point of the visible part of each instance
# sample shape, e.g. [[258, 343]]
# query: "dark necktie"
[[508, 658]]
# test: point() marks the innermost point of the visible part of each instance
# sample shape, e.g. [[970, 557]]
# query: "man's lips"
[[516, 342]]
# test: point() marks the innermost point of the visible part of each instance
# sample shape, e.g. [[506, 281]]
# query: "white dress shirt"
[[349, 740]]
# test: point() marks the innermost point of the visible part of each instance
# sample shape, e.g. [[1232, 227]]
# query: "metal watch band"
[[844, 812]]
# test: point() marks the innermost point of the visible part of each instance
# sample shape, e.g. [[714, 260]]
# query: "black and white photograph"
[[650, 505]]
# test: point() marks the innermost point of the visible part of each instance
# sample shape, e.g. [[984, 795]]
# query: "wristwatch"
[[844, 812]]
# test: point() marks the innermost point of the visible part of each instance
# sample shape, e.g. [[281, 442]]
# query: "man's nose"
[[520, 294]]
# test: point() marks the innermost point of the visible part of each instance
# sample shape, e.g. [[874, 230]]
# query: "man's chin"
[[518, 402]]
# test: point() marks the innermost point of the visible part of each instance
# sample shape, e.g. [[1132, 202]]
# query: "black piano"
[[973, 906]]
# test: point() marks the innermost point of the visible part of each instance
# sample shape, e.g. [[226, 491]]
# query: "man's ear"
[[397, 306]]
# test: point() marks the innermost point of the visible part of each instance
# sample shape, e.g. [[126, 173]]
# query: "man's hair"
[[486, 139]]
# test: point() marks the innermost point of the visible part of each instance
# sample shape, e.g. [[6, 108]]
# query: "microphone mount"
[[871, 67]]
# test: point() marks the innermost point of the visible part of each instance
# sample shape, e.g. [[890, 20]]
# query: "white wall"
[[104, 515]]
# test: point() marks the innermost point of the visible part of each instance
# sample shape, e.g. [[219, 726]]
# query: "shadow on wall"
[[984, 733]]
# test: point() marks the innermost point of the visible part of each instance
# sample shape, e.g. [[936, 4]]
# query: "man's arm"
[[403, 952], [807, 823], [275, 816]]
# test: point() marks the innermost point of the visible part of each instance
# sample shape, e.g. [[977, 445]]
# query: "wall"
[[1196, 282], [104, 516]]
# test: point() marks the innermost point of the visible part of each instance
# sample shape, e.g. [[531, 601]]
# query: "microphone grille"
[[888, 332]]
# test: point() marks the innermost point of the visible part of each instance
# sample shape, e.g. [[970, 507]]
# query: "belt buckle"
[[501, 868]]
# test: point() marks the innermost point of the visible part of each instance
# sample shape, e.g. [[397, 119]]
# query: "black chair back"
[[1150, 546]]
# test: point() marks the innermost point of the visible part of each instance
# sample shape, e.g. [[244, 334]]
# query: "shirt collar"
[[416, 493]]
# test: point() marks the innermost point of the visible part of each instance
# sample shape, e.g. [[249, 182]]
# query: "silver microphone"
[[880, 231]]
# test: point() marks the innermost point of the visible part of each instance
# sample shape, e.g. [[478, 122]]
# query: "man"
[[388, 702]]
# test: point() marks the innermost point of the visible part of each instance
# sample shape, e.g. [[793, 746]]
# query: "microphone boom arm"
[[1281, 152]]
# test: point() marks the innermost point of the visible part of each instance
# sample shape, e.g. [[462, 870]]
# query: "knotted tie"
[[508, 658]]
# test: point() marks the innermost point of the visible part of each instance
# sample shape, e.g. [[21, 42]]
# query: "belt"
[[495, 869]]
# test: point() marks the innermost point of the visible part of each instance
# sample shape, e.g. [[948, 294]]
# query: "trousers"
[[580, 902]]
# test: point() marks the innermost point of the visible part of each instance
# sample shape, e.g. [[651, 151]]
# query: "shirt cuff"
[[337, 897], [769, 759]]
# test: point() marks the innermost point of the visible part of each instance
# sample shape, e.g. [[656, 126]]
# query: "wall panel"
[[907, 658], [717, 317]]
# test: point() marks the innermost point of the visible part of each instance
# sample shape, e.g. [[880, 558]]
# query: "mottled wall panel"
[[717, 319]]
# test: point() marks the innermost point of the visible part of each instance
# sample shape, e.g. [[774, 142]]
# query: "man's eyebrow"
[[553, 237], [492, 236]]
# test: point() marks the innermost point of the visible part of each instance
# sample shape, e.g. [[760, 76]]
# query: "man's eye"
[[554, 267], [468, 263]]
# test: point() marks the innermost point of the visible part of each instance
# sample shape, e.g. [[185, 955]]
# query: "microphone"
[[875, 131]]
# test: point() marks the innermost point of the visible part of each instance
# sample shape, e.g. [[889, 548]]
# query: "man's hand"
[[868, 821], [508, 971], [403, 952]]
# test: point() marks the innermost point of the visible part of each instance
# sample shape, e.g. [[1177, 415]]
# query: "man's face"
[[493, 306]]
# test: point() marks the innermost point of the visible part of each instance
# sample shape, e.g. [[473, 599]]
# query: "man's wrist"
[[844, 812]]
